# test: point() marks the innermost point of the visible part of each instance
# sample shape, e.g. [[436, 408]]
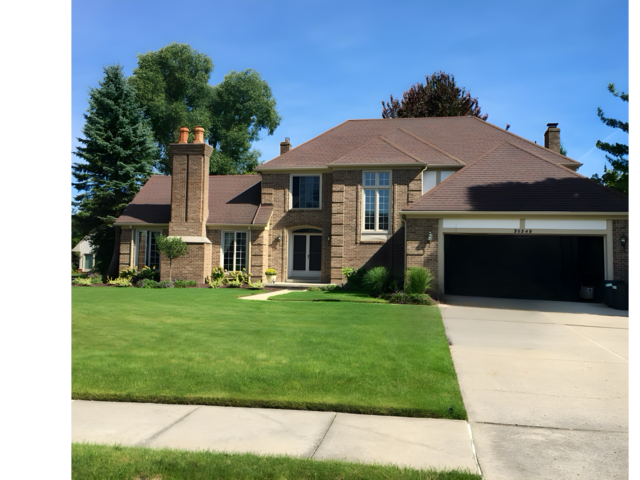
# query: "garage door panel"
[[532, 267]]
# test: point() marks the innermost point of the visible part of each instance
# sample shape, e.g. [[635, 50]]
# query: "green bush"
[[238, 276], [128, 272], [313, 289], [408, 298], [95, 278], [165, 284], [256, 286], [146, 283], [215, 282], [185, 283], [234, 284], [328, 288], [146, 273], [82, 282], [417, 280], [271, 271], [377, 280], [217, 273], [356, 279], [348, 271]]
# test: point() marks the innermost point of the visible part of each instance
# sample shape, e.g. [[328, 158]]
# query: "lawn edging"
[[275, 404]]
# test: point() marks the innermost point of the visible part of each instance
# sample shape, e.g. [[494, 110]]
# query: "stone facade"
[[620, 252]]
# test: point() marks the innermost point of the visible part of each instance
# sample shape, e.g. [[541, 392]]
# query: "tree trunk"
[[112, 271], [170, 270]]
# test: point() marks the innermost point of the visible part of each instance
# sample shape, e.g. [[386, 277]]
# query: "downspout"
[[249, 252], [404, 256]]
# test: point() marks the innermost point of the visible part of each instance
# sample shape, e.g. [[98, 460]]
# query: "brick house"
[[488, 212]]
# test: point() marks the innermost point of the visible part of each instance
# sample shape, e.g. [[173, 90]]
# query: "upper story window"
[[377, 190], [431, 178], [305, 191]]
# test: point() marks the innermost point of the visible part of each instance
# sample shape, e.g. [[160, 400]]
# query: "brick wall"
[[421, 253], [195, 265], [125, 249], [341, 218], [620, 253]]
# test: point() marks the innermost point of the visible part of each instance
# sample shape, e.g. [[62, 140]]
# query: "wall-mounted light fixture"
[[429, 237], [329, 238], [279, 237], [623, 240]]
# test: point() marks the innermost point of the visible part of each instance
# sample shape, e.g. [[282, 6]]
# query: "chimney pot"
[[552, 137], [285, 146], [184, 135], [199, 135]]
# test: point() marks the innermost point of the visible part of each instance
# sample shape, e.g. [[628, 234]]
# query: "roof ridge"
[[401, 150], [312, 138], [361, 147], [526, 140], [431, 145]]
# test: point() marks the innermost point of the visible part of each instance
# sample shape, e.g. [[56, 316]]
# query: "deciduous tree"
[[173, 86], [439, 96], [616, 177]]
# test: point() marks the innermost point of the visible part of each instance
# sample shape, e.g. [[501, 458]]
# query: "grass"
[[207, 347], [336, 295], [115, 462]]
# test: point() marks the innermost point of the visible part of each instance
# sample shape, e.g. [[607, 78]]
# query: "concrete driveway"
[[545, 385]]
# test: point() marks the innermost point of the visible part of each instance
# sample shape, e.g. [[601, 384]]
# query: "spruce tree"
[[616, 177], [118, 155]]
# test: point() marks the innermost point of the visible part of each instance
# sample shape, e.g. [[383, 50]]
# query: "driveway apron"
[[545, 385]]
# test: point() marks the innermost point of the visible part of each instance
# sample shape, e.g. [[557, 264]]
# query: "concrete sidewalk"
[[414, 442]]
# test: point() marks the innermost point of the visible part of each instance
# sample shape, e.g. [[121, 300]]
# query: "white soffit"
[[481, 223], [566, 224]]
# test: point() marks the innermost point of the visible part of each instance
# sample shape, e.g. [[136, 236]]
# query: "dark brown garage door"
[[530, 267]]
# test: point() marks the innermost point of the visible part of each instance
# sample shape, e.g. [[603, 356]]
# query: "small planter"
[[271, 278]]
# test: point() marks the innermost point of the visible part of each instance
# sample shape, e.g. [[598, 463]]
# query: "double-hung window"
[[305, 191], [234, 251], [377, 190]]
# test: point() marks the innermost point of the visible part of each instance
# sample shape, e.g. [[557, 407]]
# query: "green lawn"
[[205, 346], [336, 295], [103, 462]]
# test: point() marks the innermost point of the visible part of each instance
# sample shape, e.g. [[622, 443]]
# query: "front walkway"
[[413, 442], [545, 385]]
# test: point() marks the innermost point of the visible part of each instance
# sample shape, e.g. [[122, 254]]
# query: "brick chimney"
[[552, 137], [285, 146], [190, 206]]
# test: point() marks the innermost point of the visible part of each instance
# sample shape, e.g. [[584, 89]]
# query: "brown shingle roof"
[[509, 178], [233, 200], [464, 138]]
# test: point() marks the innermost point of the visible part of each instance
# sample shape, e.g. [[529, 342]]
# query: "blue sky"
[[528, 63]]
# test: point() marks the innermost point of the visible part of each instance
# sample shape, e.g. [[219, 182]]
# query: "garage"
[[538, 267]]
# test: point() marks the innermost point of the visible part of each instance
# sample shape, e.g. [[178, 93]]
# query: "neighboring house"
[[488, 212], [85, 254]]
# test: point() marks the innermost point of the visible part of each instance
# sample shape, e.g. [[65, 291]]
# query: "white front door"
[[305, 255]]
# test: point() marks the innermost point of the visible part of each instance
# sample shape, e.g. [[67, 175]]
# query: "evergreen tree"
[[118, 155], [438, 97], [616, 177]]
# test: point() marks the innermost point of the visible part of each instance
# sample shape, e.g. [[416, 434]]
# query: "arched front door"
[[305, 254]]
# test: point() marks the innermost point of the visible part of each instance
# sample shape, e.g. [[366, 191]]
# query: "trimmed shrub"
[[313, 289], [146, 273], [408, 298], [234, 284], [215, 282], [356, 279], [185, 283], [165, 284], [95, 278], [256, 286], [217, 273], [82, 282], [128, 272], [377, 280], [417, 280], [146, 283], [328, 288]]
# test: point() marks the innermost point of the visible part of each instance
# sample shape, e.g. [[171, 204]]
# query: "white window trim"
[[376, 187], [235, 232], [291, 190]]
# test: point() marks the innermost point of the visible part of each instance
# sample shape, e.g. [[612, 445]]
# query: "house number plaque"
[[521, 230]]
